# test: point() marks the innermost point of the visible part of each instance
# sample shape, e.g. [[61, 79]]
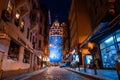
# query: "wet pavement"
[[56, 74]]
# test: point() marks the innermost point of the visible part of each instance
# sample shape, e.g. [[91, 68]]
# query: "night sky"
[[59, 8]]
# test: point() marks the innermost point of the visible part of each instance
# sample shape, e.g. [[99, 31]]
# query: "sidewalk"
[[24, 76], [104, 74], [21, 73], [9, 75]]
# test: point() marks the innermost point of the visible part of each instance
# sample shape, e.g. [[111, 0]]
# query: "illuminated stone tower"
[[55, 42]]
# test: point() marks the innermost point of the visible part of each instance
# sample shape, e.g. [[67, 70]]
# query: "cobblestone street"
[[56, 74]]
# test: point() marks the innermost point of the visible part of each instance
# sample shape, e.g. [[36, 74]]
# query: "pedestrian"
[[78, 58]]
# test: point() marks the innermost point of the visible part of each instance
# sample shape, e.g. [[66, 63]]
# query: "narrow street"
[[54, 73], [59, 39]]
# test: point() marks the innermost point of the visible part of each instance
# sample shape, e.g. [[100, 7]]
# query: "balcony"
[[6, 15]]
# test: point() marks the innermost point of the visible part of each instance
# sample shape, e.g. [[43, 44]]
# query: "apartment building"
[[100, 27], [21, 34]]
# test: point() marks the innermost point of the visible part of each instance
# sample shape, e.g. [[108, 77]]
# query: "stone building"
[[21, 34], [97, 22], [79, 24], [66, 38]]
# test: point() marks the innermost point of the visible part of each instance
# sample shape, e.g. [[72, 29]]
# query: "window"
[[118, 37], [39, 44], [6, 13], [109, 41], [30, 36], [28, 31], [10, 7], [109, 50], [22, 26], [33, 40], [41, 18], [13, 52], [26, 58], [40, 31], [34, 46], [88, 59], [119, 45], [17, 19]]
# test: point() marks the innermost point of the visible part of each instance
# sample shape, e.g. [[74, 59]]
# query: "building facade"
[[66, 38], [79, 21], [103, 40], [16, 48], [105, 25], [21, 34]]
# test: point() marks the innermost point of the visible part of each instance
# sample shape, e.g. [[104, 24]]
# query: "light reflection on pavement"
[[56, 74]]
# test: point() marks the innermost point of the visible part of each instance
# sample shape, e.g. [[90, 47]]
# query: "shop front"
[[109, 49], [88, 60]]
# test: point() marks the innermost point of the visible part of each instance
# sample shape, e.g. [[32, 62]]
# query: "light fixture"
[[17, 15], [22, 24]]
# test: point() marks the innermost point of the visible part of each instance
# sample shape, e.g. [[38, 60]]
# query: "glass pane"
[[118, 37], [88, 59], [119, 46], [109, 41], [109, 57], [112, 47], [102, 45]]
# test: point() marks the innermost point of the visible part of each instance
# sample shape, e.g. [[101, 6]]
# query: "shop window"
[[109, 58], [88, 59], [13, 52], [109, 41], [38, 61], [108, 52], [26, 58], [102, 45], [118, 37], [119, 46]]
